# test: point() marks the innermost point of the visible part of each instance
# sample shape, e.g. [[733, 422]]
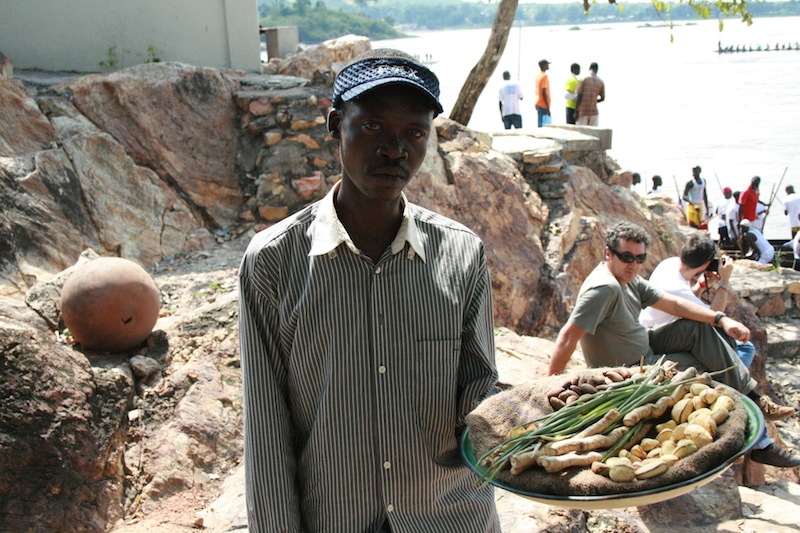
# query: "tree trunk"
[[483, 70]]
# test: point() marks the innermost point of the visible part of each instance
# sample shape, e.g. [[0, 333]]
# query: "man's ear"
[[334, 120]]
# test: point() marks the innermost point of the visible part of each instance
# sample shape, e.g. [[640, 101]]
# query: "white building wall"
[[102, 35]]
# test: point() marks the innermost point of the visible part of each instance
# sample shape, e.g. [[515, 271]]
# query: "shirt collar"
[[327, 231]]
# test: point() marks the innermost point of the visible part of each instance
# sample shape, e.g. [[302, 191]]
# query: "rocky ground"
[[194, 279]]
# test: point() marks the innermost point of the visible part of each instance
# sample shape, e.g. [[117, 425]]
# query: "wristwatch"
[[719, 316]]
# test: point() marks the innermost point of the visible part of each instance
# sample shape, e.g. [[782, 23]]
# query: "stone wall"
[[286, 157], [768, 292]]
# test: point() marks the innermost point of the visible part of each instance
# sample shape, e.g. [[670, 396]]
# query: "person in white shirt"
[[636, 179], [681, 277], [510, 96], [791, 208], [698, 276], [722, 215], [692, 276], [753, 239], [657, 182], [732, 217], [794, 245]]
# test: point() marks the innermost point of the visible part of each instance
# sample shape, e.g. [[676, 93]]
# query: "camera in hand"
[[713, 265]]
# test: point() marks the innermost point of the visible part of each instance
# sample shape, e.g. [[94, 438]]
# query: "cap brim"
[[358, 90]]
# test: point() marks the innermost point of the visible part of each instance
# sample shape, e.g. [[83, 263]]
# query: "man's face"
[[625, 272], [383, 140]]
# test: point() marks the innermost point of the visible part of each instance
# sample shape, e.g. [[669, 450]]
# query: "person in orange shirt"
[[543, 94]]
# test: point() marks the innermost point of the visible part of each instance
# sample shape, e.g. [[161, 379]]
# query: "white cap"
[[745, 223]]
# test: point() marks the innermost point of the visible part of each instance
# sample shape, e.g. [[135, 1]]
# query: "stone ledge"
[[603, 135], [783, 336], [748, 280], [272, 82], [564, 140], [523, 143]]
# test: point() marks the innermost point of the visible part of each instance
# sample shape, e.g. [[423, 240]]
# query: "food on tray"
[[625, 426]]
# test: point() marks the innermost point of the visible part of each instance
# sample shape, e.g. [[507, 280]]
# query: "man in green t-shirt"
[[605, 321], [572, 92]]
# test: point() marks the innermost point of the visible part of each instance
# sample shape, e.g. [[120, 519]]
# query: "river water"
[[671, 106]]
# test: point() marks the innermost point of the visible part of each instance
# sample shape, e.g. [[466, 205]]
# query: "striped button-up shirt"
[[358, 376]]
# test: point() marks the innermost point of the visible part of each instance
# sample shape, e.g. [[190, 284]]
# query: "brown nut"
[[564, 395], [556, 403]]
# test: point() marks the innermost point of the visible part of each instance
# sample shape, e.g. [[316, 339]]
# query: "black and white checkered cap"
[[381, 66]]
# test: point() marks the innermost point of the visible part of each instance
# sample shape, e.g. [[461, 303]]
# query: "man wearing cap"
[[591, 91], [754, 242], [543, 93], [367, 334]]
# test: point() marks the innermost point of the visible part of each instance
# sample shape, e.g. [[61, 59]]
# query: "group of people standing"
[[740, 215], [581, 95]]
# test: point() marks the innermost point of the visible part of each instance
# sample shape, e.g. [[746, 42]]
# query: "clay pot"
[[110, 304]]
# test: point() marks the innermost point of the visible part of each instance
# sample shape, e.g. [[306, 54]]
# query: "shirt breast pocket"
[[436, 391]]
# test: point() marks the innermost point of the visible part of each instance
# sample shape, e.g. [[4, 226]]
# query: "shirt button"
[[390, 508], [378, 270], [387, 465], [382, 369]]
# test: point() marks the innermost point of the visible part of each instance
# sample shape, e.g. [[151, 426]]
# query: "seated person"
[[681, 275], [794, 244], [605, 322], [754, 243]]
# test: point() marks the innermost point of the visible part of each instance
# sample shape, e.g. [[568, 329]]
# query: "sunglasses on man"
[[628, 258]]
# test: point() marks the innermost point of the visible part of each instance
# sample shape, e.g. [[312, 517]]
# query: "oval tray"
[[755, 427]]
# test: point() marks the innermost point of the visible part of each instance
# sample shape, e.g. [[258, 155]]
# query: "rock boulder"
[[62, 437], [178, 120]]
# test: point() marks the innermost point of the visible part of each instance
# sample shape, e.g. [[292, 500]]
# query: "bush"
[[319, 23]]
